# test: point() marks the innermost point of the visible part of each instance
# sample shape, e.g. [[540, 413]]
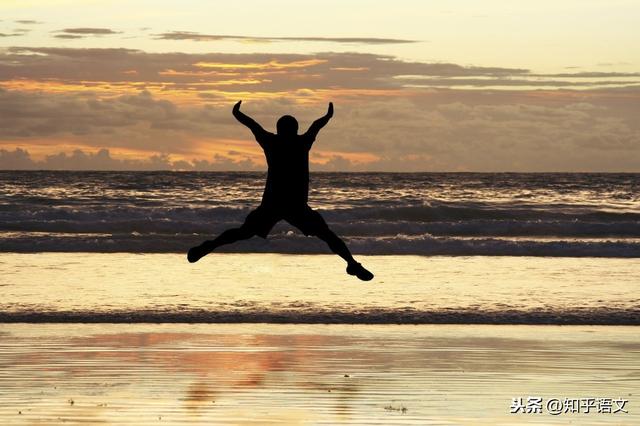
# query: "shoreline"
[[314, 289]]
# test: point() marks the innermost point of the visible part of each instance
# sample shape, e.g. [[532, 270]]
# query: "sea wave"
[[288, 242], [378, 213], [460, 219]]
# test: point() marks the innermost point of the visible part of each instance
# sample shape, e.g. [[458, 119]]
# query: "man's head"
[[287, 126]]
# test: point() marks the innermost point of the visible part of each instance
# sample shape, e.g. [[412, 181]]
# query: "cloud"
[[192, 74], [20, 159], [613, 64], [196, 76], [16, 32], [476, 135], [591, 74], [525, 82], [138, 119], [391, 114], [89, 31], [68, 36], [74, 33], [193, 36], [28, 22], [437, 131]]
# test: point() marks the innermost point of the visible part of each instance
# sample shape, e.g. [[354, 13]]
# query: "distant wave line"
[[596, 316], [426, 245]]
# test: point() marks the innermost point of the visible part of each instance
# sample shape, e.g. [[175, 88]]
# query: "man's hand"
[[255, 128], [330, 110]]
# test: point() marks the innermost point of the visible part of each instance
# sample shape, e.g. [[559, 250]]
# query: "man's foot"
[[195, 253], [358, 270]]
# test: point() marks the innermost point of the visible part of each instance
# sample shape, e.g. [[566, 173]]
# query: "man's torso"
[[288, 171]]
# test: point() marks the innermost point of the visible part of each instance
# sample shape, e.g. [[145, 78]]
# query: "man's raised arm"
[[319, 124], [257, 129]]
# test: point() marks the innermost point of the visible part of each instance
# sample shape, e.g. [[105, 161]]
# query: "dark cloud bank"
[[20, 159]]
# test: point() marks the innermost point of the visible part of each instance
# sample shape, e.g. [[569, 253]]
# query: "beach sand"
[[311, 374], [116, 359], [129, 287]]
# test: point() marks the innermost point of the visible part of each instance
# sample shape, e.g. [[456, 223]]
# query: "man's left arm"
[[315, 127]]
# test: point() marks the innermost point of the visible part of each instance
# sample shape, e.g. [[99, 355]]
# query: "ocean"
[[486, 214]]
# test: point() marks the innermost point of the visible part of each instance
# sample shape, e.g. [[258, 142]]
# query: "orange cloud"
[[264, 65], [196, 93], [172, 72], [355, 69]]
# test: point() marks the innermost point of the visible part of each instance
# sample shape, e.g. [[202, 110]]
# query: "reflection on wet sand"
[[318, 374]]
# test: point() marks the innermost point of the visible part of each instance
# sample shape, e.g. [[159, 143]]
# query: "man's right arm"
[[255, 128]]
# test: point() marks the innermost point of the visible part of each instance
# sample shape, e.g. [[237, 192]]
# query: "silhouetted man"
[[285, 194]]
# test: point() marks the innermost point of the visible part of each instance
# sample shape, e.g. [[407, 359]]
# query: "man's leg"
[[258, 222], [336, 245], [310, 222], [340, 248], [227, 237]]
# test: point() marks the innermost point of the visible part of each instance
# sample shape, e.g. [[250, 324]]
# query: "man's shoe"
[[358, 270], [195, 253]]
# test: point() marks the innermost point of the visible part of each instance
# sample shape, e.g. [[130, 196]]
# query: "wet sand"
[[127, 287], [310, 374]]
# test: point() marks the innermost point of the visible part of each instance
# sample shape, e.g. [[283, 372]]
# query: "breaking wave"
[[378, 213]]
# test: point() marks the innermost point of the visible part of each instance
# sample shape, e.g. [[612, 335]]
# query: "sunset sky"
[[417, 85]]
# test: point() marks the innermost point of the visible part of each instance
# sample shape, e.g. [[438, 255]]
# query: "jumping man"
[[286, 192]]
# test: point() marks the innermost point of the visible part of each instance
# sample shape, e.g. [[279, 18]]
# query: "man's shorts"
[[261, 220]]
